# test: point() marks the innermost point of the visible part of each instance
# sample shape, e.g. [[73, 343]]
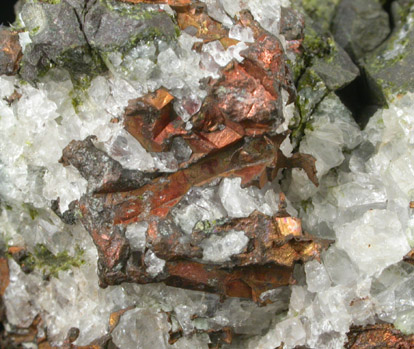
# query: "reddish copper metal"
[[241, 96], [378, 336], [244, 101], [232, 135], [146, 118], [248, 161], [247, 282]]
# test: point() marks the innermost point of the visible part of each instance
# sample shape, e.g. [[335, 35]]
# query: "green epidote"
[[326, 57], [389, 69], [321, 11], [50, 264], [311, 90], [33, 212], [52, 2], [323, 67], [81, 84], [136, 11], [208, 227]]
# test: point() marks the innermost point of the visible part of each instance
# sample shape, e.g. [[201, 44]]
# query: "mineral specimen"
[[168, 132]]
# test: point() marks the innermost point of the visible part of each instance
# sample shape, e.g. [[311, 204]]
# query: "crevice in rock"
[[387, 8], [360, 100], [7, 15]]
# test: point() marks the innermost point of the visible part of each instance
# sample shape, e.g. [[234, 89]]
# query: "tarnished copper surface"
[[232, 134], [249, 160], [378, 336], [4, 275], [10, 52], [244, 101], [116, 316], [159, 99], [26, 335], [205, 27], [409, 257], [15, 96], [145, 119], [275, 243]]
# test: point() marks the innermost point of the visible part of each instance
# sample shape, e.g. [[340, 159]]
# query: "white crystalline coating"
[[54, 177], [6, 87], [364, 205], [154, 264], [317, 277], [187, 106], [290, 331], [216, 50], [220, 248], [332, 131], [135, 233], [376, 236], [231, 7]]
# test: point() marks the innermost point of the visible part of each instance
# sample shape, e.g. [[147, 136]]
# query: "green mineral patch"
[[33, 212], [52, 2], [50, 264], [81, 84], [207, 226], [322, 11], [136, 11]]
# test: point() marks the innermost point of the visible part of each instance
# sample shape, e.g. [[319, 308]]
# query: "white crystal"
[[203, 204], [376, 236], [154, 264], [135, 233], [142, 328], [220, 248], [317, 277], [20, 310], [341, 270], [241, 33], [216, 50]]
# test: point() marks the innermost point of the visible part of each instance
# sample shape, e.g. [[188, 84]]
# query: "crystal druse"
[[195, 174]]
